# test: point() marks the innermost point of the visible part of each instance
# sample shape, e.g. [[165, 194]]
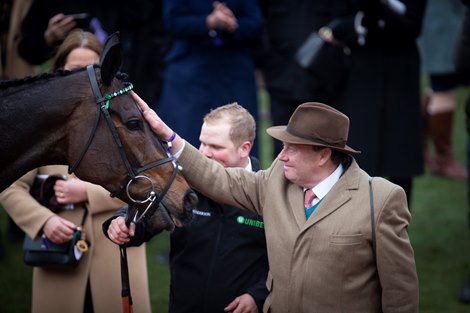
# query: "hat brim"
[[280, 133]]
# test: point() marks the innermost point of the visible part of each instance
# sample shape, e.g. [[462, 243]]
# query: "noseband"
[[133, 174]]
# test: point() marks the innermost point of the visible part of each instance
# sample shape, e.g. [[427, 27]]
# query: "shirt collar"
[[325, 185], [249, 167]]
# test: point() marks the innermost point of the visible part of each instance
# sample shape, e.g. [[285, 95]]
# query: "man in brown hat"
[[324, 257]]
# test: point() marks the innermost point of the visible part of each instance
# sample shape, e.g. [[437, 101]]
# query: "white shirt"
[[325, 185]]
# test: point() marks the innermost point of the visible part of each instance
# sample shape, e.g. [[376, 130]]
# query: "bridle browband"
[[133, 174]]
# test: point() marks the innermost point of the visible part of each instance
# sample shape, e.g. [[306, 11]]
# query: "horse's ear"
[[111, 58]]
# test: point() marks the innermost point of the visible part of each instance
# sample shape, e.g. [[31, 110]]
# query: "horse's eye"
[[134, 125]]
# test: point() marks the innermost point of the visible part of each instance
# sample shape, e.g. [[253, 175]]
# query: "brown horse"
[[86, 119]]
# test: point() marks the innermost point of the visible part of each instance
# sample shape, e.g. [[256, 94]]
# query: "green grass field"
[[439, 233]]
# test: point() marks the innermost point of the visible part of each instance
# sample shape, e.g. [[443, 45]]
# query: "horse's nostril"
[[190, 200]]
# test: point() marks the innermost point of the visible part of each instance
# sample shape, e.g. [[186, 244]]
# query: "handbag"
[[328, 62], [44, 253], [41, 251]]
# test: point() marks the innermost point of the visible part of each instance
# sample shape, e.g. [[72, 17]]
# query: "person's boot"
[[445, 164], [425, 101]]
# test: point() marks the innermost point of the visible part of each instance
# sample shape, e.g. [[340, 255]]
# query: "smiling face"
[[217, 145]]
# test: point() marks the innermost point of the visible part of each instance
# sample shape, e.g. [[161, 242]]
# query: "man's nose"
[[282, 156], [207, 152]]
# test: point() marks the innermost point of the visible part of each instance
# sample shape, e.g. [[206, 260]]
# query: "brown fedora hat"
[[315, 124]]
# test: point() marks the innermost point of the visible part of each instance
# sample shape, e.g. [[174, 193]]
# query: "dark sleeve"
[[462, 44], [32, 46], [383, 22], [184, 22], [250, 22], [143, 231], [259, 292]]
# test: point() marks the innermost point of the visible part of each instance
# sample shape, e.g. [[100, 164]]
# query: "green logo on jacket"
[[250, 222]]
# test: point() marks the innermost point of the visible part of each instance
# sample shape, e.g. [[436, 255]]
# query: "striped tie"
[[308, 198]]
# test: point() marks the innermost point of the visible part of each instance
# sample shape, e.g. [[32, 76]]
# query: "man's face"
[[216, 144], [301, 163]]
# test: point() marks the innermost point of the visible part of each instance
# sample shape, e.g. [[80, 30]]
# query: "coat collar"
[[337, 197]]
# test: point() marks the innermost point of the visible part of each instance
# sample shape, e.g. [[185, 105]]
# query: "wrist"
[[210, 21], [169, 141], [48, 38]]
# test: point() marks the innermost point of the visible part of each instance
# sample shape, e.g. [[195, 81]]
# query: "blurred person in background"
[[441, 26], [12, 66], [139, 22], [376, 81], [380, 82], [210, 60], [288, 24]]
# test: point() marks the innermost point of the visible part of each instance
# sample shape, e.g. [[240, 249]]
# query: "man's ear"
[[325, 155], [245, 149]]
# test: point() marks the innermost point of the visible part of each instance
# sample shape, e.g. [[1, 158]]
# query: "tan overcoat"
[[15, 66], [63, 290], [325, 264]]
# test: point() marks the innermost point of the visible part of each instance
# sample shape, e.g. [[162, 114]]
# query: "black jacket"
[[220, 255]]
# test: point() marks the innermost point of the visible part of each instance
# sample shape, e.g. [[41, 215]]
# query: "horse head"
[[124, 153]]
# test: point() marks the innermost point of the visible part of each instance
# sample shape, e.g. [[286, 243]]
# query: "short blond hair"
[[242, 123]]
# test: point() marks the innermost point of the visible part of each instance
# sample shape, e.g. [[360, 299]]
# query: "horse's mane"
[[31, 79], [4, 84]]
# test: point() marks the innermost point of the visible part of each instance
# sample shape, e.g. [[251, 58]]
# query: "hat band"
[[338, 143]]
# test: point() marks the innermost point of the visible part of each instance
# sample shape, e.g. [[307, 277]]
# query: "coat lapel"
[[296, 196], [336, 197]]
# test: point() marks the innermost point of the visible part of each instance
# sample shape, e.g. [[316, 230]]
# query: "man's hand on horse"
[[156, 124], [118, 231]]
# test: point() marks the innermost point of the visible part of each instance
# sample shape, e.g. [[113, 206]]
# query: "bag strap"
[[372, 218], [85, 214], [372, 222]]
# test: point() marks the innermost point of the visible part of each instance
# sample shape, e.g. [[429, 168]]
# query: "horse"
[[87, 119]]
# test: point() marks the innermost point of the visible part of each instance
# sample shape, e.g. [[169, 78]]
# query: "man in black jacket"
[[219, 261]]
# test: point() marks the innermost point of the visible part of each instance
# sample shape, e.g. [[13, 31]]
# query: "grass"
[[439, 233]]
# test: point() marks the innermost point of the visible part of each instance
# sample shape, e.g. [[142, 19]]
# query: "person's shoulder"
[[384, 188], [383, 182]]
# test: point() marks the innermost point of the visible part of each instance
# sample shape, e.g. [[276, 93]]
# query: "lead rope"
[[126, 296]]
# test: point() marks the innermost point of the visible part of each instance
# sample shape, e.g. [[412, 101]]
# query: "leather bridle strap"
[[102, 108], [74, 166], [100, 100]]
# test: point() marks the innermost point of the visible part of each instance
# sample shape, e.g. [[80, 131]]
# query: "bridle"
[[133, 175]]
